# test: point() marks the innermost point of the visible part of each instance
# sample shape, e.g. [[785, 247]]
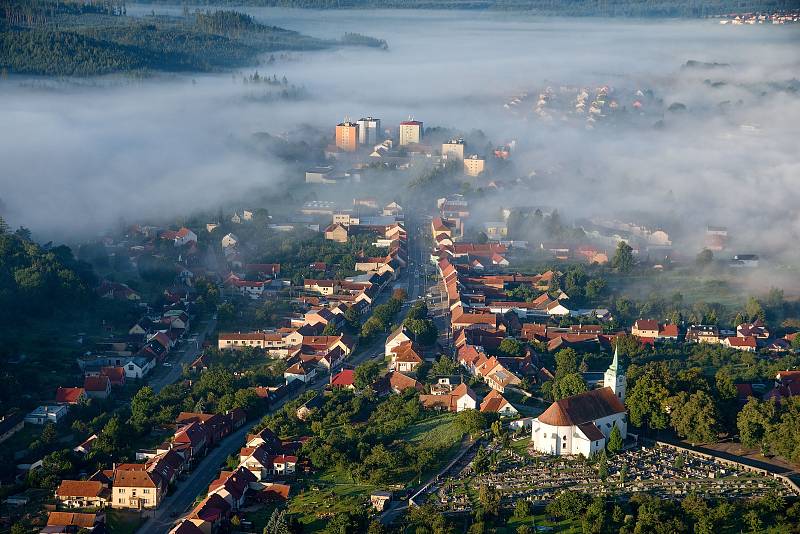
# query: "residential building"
[[411, 132], [82, 494], [47, 414], [453, 150], [135, 487], [494, 402], [347, 136], [369, 129], [474, 165]]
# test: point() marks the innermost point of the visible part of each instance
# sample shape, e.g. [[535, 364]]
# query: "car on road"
[[167, 364]]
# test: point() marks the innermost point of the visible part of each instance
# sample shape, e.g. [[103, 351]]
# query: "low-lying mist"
[[77, 157]]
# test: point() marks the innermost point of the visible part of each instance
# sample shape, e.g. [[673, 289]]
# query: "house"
[[10, 425], [645, 328], [115, 374], [139, 366], [336, 232], [702, 334], [396, 382], [211, 514], [303, 371], [70, 395], [747, 344], [650, 330], [582, 423], [136, 488], [460, 399], [184, 236], [499, 378], [406, 357], [263, 463], [191, 437], [233, 486], [756, 329], [344, 379], [86, 445], [494, 402], [63, 522], [82, 494], [399, 336], [97, 387], [47, 414], [230, 240]]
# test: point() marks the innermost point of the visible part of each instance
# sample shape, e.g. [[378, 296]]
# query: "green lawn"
[[539, 520], [123, 522], [317, 504]]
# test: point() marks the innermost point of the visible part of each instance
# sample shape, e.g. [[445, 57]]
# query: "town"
[[394, 342]]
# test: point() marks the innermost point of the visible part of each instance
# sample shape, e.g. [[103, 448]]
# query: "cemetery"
[[657, 470]]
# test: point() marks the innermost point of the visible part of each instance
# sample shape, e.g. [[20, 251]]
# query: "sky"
[[75, 158]]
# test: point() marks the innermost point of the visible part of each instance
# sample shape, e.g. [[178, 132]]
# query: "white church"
[[581, 424]]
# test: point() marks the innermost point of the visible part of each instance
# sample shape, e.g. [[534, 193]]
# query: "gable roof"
[[344, 378], [96, 383], [69, 395], [582, 408], [79, 488], [493, 402], [63, 519]]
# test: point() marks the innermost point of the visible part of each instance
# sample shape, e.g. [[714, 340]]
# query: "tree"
[[366, 374], [371, 326], [726, 389], [566, 362], [142, 406], [704, 258], [522, 509], [753, 310], [512, 347], [471, 421], [614, 440], [568, 385], [602, 466], [694, 416], [623, 258], [646, 401], [424, 330], [330, 329], [489, 498]]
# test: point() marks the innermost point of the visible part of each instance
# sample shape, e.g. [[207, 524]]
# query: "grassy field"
[[537, 520], [122, 522], [315, 505]]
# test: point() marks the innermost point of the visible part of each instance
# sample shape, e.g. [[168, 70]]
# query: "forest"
[[607, 8], [46, 37]]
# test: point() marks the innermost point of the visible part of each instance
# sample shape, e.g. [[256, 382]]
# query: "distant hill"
[[611, 8], [93, 38]]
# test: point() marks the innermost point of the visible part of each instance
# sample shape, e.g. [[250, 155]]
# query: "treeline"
[[358, 39], [35, 281], [209, 41], [605, 8]]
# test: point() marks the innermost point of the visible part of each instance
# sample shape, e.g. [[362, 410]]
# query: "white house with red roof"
[[184, 236]]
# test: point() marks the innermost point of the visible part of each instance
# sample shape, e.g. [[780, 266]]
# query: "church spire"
[[615, 376]]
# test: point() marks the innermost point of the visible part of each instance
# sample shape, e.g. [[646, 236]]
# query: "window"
[[145, 490], [121, 500], [130, 368], [122, 490]]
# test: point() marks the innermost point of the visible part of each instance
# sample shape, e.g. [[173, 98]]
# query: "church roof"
[[583, 408]]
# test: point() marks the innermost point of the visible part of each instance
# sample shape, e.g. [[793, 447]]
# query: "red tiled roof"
[[345, 378], [69, 395], [63, 519], [79, 488], [582, 408], [96, 383]]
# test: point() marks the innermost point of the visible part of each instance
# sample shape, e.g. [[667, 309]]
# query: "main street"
[[178, 503]]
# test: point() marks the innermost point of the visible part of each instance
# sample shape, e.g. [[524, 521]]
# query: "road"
[[190, 352], [196, 482]]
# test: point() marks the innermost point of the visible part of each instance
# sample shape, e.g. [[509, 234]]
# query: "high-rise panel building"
[[347, 136], [453, 150], [410, 132], [368, 131]]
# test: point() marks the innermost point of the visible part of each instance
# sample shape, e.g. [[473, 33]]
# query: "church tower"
[[615, 377]]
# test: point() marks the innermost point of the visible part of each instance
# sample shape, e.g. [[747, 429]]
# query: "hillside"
[[65, 39], [612, 8]]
